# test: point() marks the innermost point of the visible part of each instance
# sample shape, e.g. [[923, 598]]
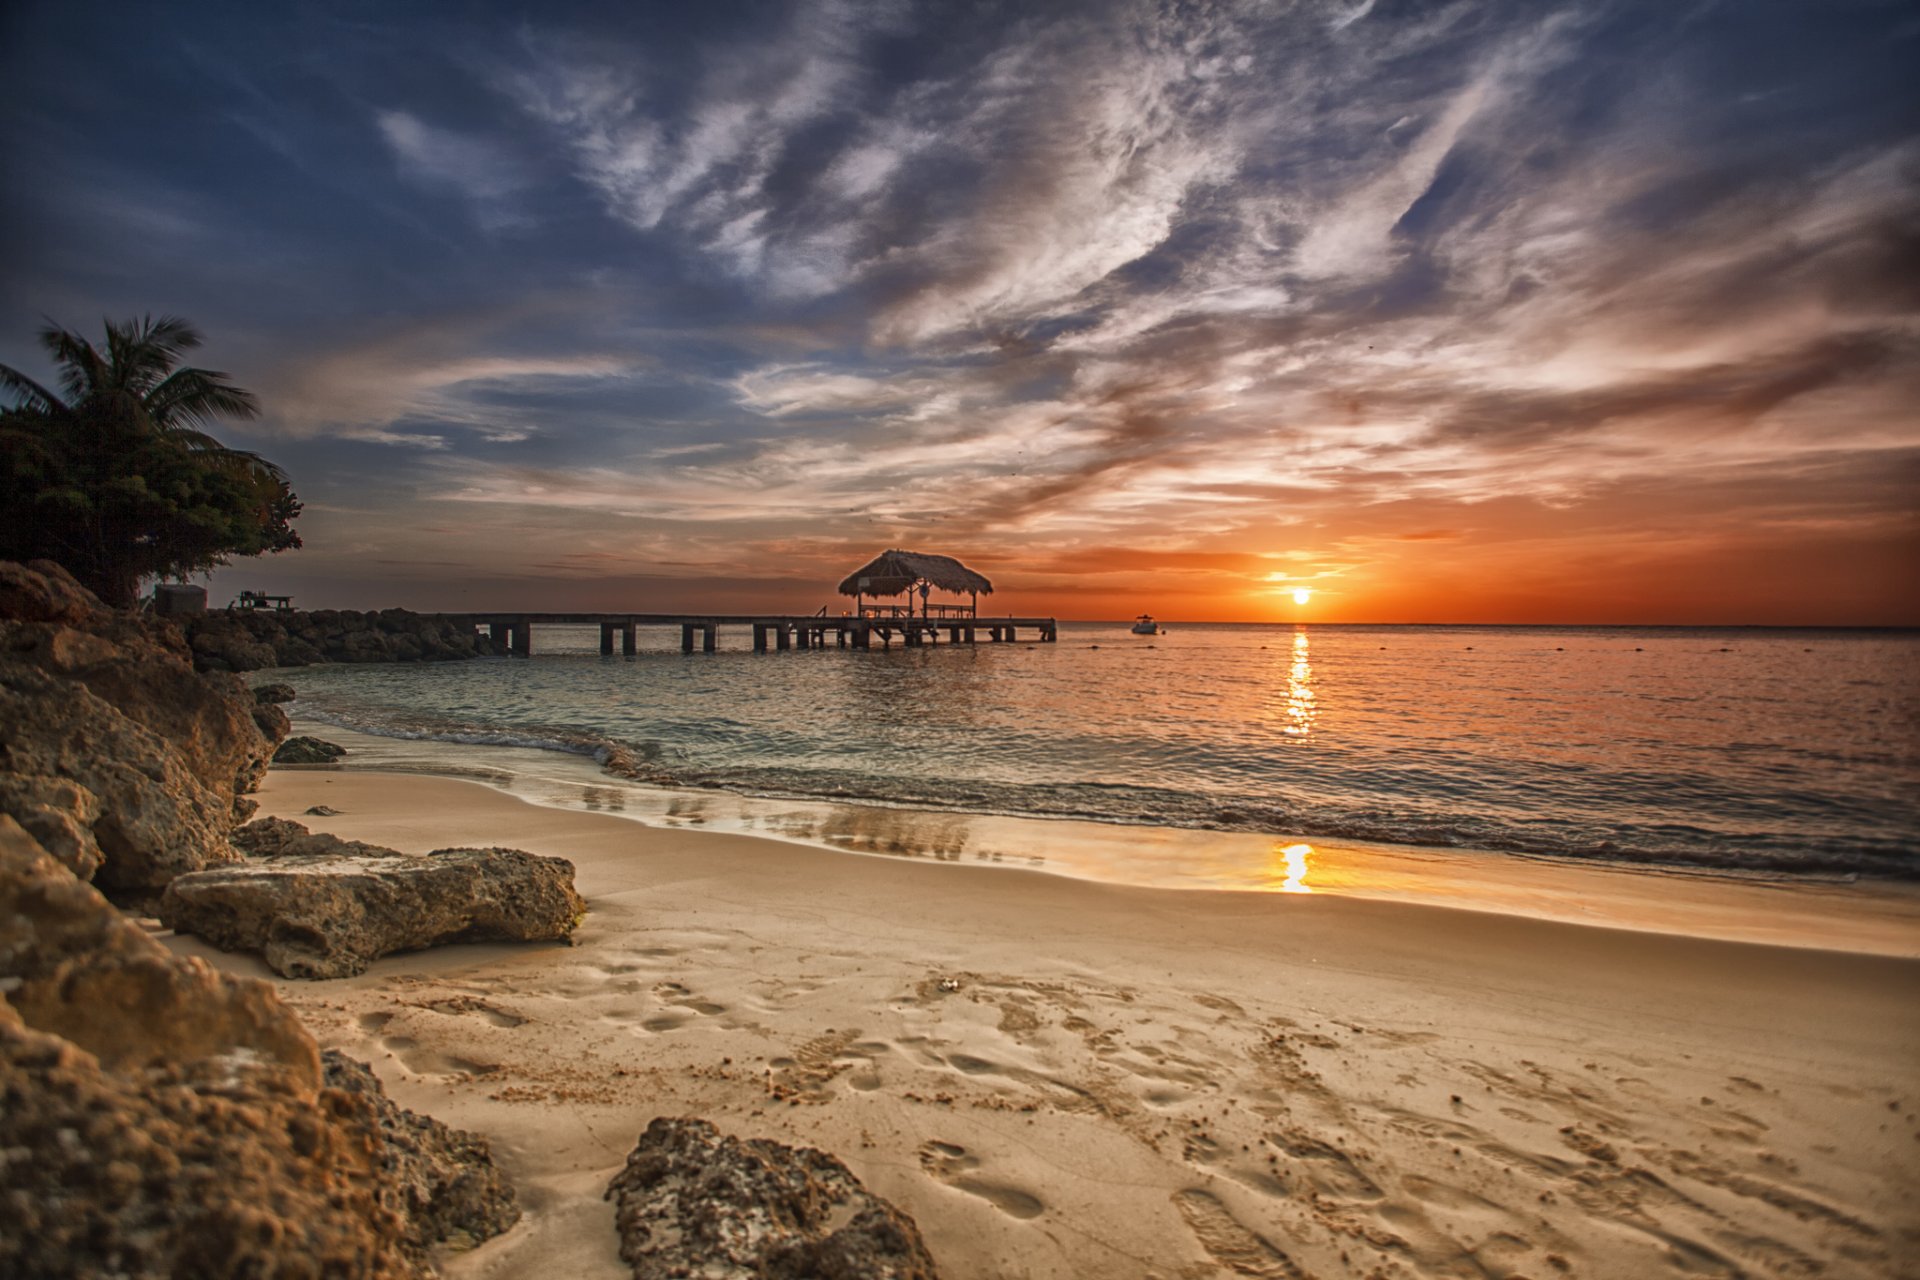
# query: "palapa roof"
[[893, 572]]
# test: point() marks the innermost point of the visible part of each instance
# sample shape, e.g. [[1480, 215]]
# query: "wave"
[[1665, 845]]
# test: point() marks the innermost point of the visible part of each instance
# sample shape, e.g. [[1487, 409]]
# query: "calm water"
[[1787, 751]]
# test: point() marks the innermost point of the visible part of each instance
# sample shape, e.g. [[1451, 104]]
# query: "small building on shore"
[[910, 573]]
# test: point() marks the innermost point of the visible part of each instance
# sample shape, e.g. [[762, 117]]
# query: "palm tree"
[[123, 480]]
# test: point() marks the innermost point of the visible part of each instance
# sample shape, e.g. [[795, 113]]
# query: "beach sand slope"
[[1058, 1078]]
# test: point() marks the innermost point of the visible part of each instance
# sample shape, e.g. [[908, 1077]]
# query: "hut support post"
[[606, 639], [523, 639], [629, 639], [759, 637], [782, 636], [711, 640], [499, 633], [686, 637]]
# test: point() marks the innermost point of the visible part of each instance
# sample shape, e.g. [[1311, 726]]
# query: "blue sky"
[[1523, 311]]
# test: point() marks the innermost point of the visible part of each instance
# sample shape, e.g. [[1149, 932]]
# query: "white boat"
[[1144, 625]]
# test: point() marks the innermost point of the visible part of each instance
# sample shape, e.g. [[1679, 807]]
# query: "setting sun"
[[1301, 595]]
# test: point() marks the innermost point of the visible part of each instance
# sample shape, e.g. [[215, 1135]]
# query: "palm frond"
[[82, 369], [198, 396], [30, 394]]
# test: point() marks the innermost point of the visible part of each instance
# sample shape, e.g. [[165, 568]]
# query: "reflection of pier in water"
[[779, 631]]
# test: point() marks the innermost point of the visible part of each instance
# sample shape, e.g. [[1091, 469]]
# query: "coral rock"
[[128, 763], [308, 751], [326, 908], [693, 1202]]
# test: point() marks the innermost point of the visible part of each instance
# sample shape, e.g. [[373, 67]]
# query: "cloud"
[[484, 172]]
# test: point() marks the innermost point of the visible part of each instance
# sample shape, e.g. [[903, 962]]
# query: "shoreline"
[[1059, 1077], [1868, 915]]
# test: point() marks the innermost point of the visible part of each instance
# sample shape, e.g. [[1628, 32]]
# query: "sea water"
[[1794, 753]]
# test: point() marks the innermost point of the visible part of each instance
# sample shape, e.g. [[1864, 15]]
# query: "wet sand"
[[1064, 1078]]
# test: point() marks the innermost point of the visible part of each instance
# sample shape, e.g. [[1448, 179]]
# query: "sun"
[[1301, 595]]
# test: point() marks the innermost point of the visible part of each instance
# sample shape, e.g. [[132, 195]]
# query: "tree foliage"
[[114, 475]]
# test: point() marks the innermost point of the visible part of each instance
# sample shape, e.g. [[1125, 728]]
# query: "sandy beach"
[[1059, 1078]]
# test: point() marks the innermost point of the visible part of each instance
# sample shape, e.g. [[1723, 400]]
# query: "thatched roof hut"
[[893, 573]]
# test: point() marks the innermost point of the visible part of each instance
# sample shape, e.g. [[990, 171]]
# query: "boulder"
[[694, 1202], [328, 910], [58, 813], [222, 644], [128, 763], [274, 692], [160, 1118], [150, 817], [441, 1183], [304, 750], [75, 967], [42, 591], [283, 838]]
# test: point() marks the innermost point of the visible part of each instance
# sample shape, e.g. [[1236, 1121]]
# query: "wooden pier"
[[778, 631]]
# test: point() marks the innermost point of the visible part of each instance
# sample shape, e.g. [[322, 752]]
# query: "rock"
[[159, 1118], [42, 591], [284, 838], [251, 639], [441, 1182], [229, 648], [76, 967], [271, 721], [694, 1202], [326, 908], [125, 760], [152, 816], [59, 814], [322, 810], [275, 692], [305, 750]]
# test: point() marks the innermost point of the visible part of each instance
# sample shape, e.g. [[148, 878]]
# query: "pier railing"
[[776, 631]]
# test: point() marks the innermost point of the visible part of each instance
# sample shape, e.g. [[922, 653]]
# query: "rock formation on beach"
[[158, 1117], [253, 639], [117, 755], [694, 1202], [305, 750], [315, 906]]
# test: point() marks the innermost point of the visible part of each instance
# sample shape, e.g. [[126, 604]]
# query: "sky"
[[1596, 312]]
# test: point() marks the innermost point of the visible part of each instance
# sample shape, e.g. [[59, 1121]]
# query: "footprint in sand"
[[426, 1062], [469, 1006], [682, 1006], [1229, 1242], [954, 1165], [1328, 1168], [807, 1074]]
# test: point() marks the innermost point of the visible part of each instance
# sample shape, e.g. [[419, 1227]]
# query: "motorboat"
[[1144, 625]]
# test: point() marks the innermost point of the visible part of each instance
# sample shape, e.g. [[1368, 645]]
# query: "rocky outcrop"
[[158, 1117], [252, 639], [304, 750], [128, 763], [441, 1183], [694, 1202], [75, 967], [319, 907]]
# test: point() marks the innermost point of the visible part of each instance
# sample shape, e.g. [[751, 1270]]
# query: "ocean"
[[1783, 753]]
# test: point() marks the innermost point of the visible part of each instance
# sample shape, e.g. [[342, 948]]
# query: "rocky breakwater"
[[316, 906], [254, 639], [158, 1117], [121, 759]]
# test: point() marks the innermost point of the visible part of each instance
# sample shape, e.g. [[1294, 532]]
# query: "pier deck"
[[772, 630]]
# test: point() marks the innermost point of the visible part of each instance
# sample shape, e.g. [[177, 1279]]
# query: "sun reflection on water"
[[1300, 711], [1293, 863]]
